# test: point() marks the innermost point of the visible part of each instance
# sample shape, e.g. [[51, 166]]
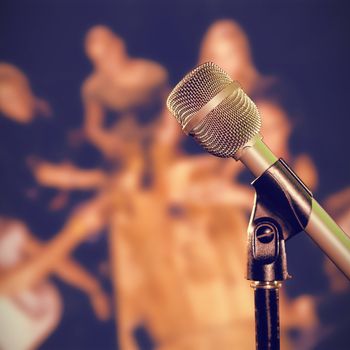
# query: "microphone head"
[[214, 109]]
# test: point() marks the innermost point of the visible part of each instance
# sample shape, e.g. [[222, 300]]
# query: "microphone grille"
[[229, 125], [196, 89]]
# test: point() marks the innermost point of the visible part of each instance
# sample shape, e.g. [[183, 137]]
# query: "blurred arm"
[[106, 142], [86, 220], [65, 176], [74, 274]]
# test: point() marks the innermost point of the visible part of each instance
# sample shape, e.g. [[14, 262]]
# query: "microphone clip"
[[281, 210]]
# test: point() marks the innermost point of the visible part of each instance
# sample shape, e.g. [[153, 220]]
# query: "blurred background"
[[116, 231]]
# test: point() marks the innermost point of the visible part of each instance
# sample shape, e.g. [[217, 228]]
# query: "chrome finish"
[[329, 237], [256, 156], [266, 285], [197, 117]]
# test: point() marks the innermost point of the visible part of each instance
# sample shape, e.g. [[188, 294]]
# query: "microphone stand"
[[275, 218]]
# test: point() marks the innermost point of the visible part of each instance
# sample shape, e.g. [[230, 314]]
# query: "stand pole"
[[267, 328], [267, 267]]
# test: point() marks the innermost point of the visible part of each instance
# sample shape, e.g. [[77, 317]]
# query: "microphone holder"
[[281, 210]]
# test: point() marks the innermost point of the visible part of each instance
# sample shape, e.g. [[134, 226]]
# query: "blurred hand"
[[101, 305]]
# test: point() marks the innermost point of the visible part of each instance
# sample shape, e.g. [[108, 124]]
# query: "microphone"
[[214, 109]]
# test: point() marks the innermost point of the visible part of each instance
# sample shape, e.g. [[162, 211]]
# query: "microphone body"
[[215, 111]]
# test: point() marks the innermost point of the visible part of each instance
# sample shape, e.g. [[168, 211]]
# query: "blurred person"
[[17, 100], [226, 44], [21, 132], [125, 86], [118, 83], [31, 306], [178, 246]]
